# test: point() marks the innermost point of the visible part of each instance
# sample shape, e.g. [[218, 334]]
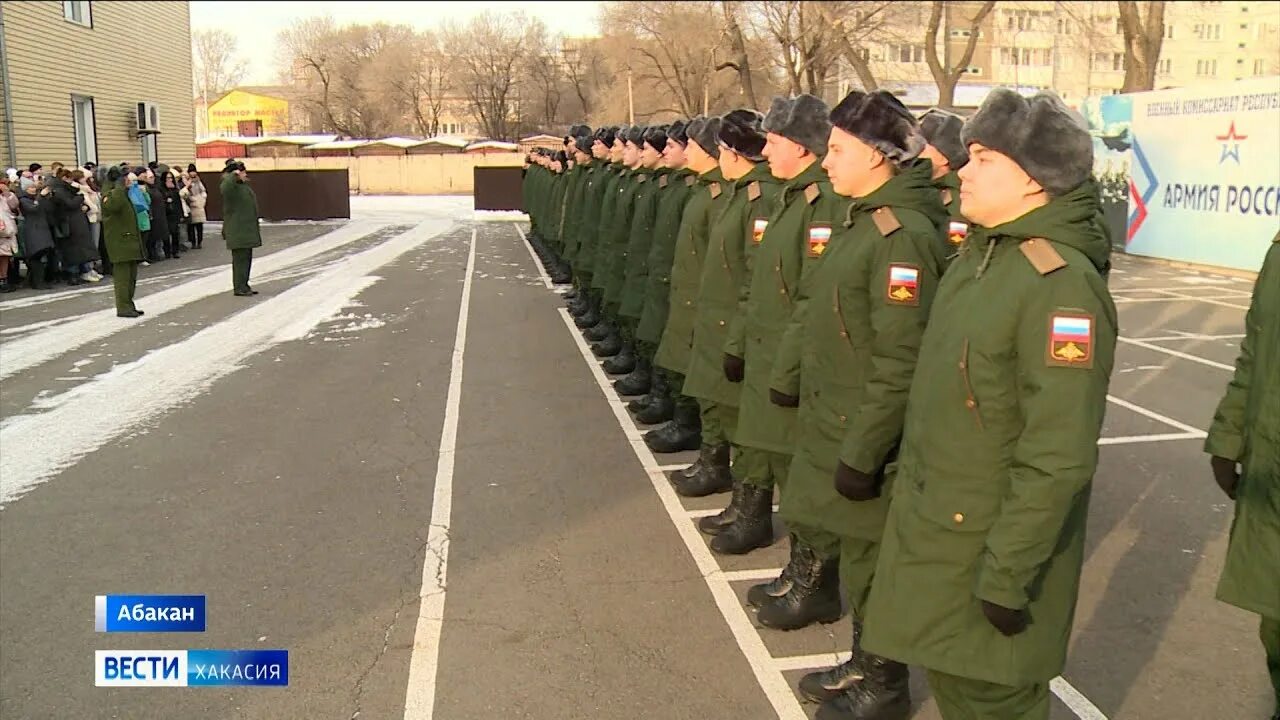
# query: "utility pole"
[[631, 101]]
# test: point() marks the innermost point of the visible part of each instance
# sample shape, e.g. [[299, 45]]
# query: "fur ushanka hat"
[[634, 135], [803, 119], [656, 137], [1045, 137], [942, 130], [678, 132], [880, 120], [741, 131], [703, 131]]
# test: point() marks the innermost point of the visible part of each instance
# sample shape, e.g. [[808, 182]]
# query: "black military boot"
[[758, 595], [598, 332], [559, 272], [590, 318], [684, 432], [814, 595], [661, 407], [882, 694], [715, 476], [638, 381], [715, 524], [829, 684], [608, 346], [754, 526], [572, 294], [579, 304], [621, 362]]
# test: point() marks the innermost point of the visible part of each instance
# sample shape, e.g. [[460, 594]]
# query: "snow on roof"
[[399, 142], [291, 139], [540, 137], [449, 140], [495, 144], [336, 145]]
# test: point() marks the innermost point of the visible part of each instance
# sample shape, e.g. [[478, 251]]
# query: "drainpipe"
[[8, 97]]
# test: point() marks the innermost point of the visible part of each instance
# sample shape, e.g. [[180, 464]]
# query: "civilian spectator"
[[37, 234], [71, 234], [173, 214], [8, 231], [93, 209], [141, 202], [196, 197], [159, 214]]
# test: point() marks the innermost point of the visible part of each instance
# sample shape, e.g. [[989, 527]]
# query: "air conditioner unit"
[[148, 118]]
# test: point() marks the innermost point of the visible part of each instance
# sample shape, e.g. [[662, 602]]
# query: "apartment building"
[[71, 88]]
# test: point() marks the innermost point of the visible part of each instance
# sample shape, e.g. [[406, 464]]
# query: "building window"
[[86, 130], [78, 12], [1119, 27], [973, 70], [1166, 66], [150, 152], [1259, 66], [1117, 61], [1168, 32], [1207, 68], [1064, 26], [908, 53]]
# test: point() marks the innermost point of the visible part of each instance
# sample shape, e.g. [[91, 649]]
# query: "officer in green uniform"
[[123, 241], [613, 245], [942, 131], [980, 560], [655, 286], [848, 356], [633, 361], [1246, 432], [798, 130], [239, 225], [747, 191], [586, 310], [676, 348]]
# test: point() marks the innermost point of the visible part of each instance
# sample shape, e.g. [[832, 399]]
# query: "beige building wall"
[[390, 174], [38, 40]]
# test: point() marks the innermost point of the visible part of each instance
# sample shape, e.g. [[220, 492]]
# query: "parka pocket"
[[782, 281], [970, 400], [835, 307]]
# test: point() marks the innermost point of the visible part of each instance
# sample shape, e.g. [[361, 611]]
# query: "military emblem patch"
[[904, 285], [757, 230], [662, 181], [1070, 340], [957, 231], [819, 236]]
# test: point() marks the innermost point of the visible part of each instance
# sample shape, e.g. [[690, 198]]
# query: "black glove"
[[1008, 622], [735, 368], [1224, 471], [855, 484], [782, 399]]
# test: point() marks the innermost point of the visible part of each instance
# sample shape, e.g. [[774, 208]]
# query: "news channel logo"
[[191, 668]]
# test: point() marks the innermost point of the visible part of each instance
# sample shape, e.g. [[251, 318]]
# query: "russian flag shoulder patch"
[[1070, 340], [904, 284]]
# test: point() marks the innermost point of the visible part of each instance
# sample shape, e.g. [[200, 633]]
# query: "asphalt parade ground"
[[401, 463]]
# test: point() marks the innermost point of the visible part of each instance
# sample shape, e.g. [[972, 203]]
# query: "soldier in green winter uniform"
[[676, 347], [240, 225], [942, 131], [653, 288], [848, 356], [611, 248], [1246, 431], [123, 241], [797, 138], [748, 193], [980, 560], [586, 310], [633, 361], [576, 208]]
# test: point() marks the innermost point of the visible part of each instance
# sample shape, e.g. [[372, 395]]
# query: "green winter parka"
[[1246, 428], [850, 350], [599, 208], [734, 234], [768, 300], [657, 281], [706, 200], [239, 214], [999, 450], [612, 247], [643, 226]]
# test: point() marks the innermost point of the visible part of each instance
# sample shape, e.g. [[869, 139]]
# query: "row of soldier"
[[770, 287]]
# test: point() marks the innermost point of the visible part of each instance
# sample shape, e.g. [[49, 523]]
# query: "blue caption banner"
[[149, 613], [191, 668]]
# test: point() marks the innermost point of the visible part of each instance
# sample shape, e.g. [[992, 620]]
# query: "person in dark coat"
[[36, 206], [71, 232], [239, 225], [159, 213], [173, 214]]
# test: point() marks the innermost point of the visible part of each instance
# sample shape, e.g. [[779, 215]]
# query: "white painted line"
[[708, 512], [424, 660], [1075, 700], [753, 574], [542, 272], [774, 685], [1189, 336], [673, 468], [127, 397], [1210, 300], [809, 662], [1177, 354], [1162, 437], [105, 287], [44, 345], [1155, 416]]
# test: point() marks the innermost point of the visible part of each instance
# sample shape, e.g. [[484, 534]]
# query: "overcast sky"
[[255, 24]]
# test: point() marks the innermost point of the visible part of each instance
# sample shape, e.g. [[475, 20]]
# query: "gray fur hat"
[[740, 130], [703, 131], [803, 119], [880, 120], [942, 130], [1046, 138]]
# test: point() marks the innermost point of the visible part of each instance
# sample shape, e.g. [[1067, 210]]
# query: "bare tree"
[[1143, 38], [945, 73], [419, 75], [855, 27], [740, 60], [488, 53], [585, 70], [804, 41], [216, 67], [544, 75], [665, 45]]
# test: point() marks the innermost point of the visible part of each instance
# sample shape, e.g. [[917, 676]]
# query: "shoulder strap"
[[886, 222], [1042, 255], [690, 180], [753, 191], [946, 196], [715, 190], [812, 192], [642, 178], [662, 181]]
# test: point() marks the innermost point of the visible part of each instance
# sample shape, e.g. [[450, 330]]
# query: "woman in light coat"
[[194, 194]]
